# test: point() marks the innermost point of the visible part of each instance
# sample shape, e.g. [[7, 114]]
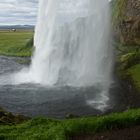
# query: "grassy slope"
[[15, 43], [47, 129]]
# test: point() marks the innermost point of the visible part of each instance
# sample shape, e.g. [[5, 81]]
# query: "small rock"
[[71, 116], [102, 137]]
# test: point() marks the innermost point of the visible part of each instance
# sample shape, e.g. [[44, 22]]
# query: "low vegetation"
[[16, 43], [48, 129]]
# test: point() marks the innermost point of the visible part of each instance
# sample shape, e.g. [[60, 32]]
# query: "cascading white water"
[[71, 44], [72, 48]]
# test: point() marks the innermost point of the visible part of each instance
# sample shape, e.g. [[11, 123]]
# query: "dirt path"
[[132, 133]]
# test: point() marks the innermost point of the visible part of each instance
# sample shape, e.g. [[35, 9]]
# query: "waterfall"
[[72, 49], [71, 44]]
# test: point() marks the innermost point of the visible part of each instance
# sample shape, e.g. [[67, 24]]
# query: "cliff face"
[[127, 21], [133, 8], [126, 24]]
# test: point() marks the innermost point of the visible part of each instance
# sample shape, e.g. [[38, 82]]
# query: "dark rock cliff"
[[126, 19]]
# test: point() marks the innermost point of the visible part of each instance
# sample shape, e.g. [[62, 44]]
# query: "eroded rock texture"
[[128, 27]]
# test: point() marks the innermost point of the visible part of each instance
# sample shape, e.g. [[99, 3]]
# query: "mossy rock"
[[130, 59], [129, 66], [7, 118], [134, 74]]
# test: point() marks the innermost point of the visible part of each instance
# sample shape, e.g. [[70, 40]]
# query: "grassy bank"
[[16, 43], [48, 129]]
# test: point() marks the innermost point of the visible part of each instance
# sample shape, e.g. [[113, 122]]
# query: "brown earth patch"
[[132, 133]]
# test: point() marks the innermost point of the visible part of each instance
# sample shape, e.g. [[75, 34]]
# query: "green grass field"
[[48, 129], [16, 43]]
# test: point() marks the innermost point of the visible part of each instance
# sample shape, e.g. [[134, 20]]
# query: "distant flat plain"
[[16, 43]]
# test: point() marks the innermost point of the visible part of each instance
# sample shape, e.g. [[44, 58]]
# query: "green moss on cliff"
[[129, 66], [134, 73], [119, 11], [129, 59]]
